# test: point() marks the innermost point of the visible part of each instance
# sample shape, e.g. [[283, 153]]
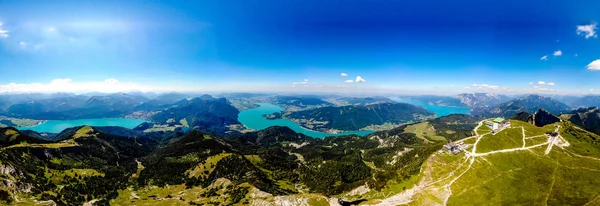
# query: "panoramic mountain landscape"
[[298, 103]]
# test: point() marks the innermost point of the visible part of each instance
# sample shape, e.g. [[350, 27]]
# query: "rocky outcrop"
[[522, 116], [543, 117], [9, 171], [587, 118]]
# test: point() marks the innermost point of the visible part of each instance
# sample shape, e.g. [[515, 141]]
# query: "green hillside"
[[357, 117], [518, 165], [501, 170], [271, 166]]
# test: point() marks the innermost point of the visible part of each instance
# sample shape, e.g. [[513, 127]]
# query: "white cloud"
[[344, 74], [551, 83], [544, 58], [595, 65], [61, 81], [306, 80], [591, 90], [587, 30], [558, 53], [349, 81], [541, 83], [294, 83], [359, 80], [488, 87], [68, 85], [530, 82], [111, 81], [3, 33]]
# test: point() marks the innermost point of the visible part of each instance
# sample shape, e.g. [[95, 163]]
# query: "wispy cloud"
[[349, 81], [594, 66], [557, 53], [541, 83], [68, 85], [344, 74], [550, 83], [488, 87], [545, 57], [305, 82], [3, 33], [587, 30], [73, 36]]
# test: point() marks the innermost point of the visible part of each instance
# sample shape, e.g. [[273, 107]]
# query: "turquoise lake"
[[440, 111], [253, 119], [56, 126]]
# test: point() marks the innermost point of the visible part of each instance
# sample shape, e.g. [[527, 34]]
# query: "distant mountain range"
[[62, 107], [586, 118], [474, 100], [311, 111], [586, 101], [529, 104]]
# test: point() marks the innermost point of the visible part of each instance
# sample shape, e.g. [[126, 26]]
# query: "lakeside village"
[[496, 124]]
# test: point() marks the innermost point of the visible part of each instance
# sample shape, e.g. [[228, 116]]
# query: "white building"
[[495, 126]]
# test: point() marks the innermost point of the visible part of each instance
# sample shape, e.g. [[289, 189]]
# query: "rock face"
[[481, 99], [587, 118], [543, 117], [522, 116]]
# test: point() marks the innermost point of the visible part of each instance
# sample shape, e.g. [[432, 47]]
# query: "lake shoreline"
[[254, 119], [57, 126]]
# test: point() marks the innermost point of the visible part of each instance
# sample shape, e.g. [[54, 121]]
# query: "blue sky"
[[420, 47]]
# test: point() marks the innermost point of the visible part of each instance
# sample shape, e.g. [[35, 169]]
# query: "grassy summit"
[[503, 171]]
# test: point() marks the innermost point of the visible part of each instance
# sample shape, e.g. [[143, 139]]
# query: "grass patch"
[[483, 129], [506, 139], [518, 178], [207, 166], [582, 142], [83, 132], [254, 159], [536, 140], [58, 176], [424, 131], [470, 141], [532, 130]]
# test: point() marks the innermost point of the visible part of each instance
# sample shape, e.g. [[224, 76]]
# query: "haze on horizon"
[[505, 47]]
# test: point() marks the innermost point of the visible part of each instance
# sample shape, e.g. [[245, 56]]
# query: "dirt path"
[[444, 185], [509, 150], [523, 131]]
